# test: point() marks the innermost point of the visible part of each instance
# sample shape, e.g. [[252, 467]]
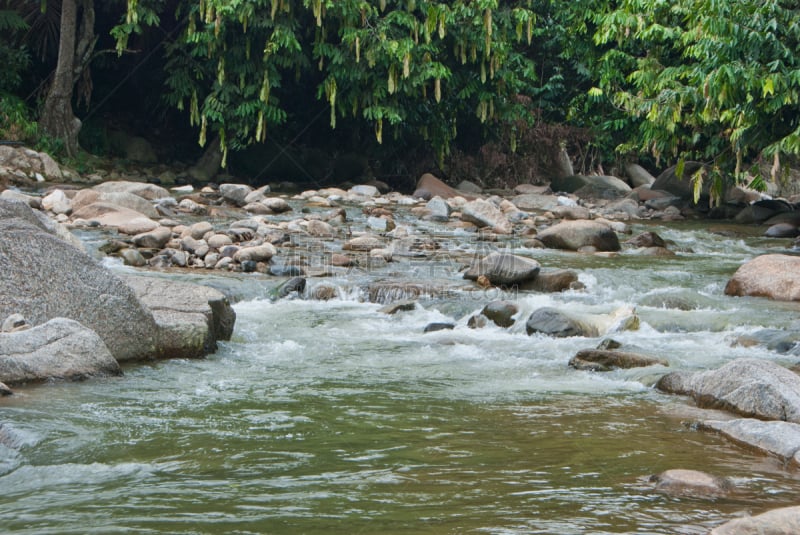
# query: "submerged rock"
[[681, 482], [599, 360]]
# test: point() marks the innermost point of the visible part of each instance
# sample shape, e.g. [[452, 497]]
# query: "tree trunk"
[[58, 119]]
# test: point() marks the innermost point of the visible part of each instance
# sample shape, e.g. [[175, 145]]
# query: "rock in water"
[[600, 360], [58, 349], [504, 269], [783, 521], [295, 284], [775, 276], [750, 387], [680, 482], [501, 312], [572, 235]]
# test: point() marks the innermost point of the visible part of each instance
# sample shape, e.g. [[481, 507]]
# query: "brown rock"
[[783, 521], [774, 276], [682, 482], [600, 360]]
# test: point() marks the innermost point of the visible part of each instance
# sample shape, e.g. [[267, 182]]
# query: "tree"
[[704, 79], [75, 47], [406, 67]]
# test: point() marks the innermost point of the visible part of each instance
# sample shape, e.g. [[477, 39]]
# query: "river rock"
[[774, 276], [364, 190], [296, 285], [781, 439], [320, 229], [218, 241], [58, 349], [591, 186], [111, 215], [681, 482], [13, 323], [428, 187], [199, 230], [190, 318], [123, 199], [57, 202], [363, 243], [501, 312], [600, 360], [485, 214], [534, 201], [782, 230], [638, 175], [680, 186], [398, 306], [276, 205], [257, 195], [438, 209], [147, 191], [256, 253], [154, 239], [551, 281], [235, 194], [749, 387], [783, 521], [646, 239], [503, 269], [439, 326], [555, 322], [132, 257], [66, 282], [573, 235]]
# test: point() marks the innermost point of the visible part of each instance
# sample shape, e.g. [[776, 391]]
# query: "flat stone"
[[783, 521], [681, 482], [781, 439], [504, 269], [600, 360]]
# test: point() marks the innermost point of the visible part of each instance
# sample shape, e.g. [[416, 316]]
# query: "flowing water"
[[332, 417]]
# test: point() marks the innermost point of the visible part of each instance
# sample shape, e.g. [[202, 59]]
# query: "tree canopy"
[[658, 81]]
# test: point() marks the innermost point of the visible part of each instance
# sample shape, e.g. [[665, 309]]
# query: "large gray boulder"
[[503, 269], [680, 186], [43, 277], [591, 186], [554, 322], [781, 439], [573, 235], [121, 198], [783, 521], [775, 276], [190, 318], [58, 349], [749, 387]]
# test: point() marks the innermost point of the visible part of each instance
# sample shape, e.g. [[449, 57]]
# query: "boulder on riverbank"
[[190, 318], [43, 277], [58, 349], [749, 387], [783, 521], [775, 276]]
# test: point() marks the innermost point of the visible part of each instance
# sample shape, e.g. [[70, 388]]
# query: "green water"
[[331, 417]]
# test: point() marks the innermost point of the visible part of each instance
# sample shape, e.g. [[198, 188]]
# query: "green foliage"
[[413, 67], [705, 79], [13, 57], [16, 125]]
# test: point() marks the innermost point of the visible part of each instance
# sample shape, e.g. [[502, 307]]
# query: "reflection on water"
[[331, 417]]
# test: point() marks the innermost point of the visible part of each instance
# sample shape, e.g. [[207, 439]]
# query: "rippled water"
[[332, 417]]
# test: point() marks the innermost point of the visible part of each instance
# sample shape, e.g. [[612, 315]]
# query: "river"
[[323, 417]]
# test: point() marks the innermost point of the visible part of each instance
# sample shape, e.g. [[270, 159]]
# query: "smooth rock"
[[552, 280], [428, 186], [646, 239], [218, 241], [680, 186], [638, 175], [235, 193], [296, 285], [781, 439], [599, 360], [774, 276], [398, 306], [57, 202], [555, 322], [681, 482], [131, 201], [320, 229], [77, 287], [364, 190], [112, 215], [783, 521], [60, 348], [572, 235], [363, 243], [438, 326], [258, 253], [501, 313], [749, 387], [782, 230], [257, 195], [190, 318], [132, 257], [503, 269], [144, 190], [438, 209], [485, 214], [154, 239]]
